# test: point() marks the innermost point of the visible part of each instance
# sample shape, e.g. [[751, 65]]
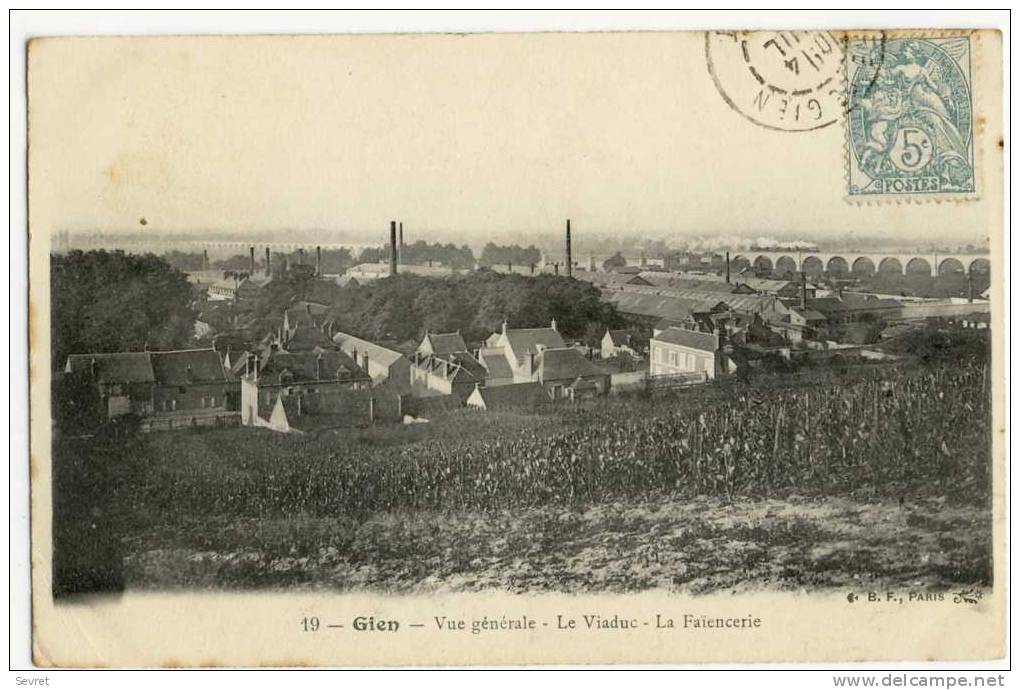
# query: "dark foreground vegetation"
[[243, 507]]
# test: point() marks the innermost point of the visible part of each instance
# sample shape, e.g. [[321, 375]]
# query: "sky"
[[462, 137]]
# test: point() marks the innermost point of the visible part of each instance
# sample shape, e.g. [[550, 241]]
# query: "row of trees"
[[402, 307], [115, 302], [423, 253], [496, 255]]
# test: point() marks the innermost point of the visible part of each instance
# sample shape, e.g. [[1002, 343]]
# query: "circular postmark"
[[784, 80]]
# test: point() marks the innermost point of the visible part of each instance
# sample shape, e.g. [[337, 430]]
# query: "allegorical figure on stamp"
[[916, 116]]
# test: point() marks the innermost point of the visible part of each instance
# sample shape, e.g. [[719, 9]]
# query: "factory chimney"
[[251, 260], [803, 290], [318, 261], [970, 287], [570, 258], [393, 247], [400, 245], [727, 267], [269, 267], [205, 259]]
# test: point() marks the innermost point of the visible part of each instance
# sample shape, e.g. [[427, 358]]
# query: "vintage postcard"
[[510, 349]]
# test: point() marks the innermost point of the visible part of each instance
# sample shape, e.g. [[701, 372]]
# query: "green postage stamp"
[[910, 117]]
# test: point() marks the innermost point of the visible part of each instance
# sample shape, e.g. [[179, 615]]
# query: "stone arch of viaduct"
[[891, 262]]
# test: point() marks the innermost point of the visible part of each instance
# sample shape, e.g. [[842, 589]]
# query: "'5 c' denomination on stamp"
[[784, 80], [910, 122]]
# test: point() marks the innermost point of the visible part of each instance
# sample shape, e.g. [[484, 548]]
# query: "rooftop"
[[695, 340]]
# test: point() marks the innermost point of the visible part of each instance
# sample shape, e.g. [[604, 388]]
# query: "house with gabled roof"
[[274, 374], [520, 347], [442, 343], [453, 373], [186, 385], [383, 364], [520, 396], [566, 373], [681, 351], [617, 342]]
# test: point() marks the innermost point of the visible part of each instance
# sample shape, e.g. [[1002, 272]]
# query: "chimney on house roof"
[[318, 261], [393, 247], [570, 258], [553, 324], [251, 260], [504, 330]]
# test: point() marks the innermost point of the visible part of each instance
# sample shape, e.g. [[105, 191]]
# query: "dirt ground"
[[697, 546]]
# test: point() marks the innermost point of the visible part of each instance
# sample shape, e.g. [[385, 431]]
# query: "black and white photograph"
[[702, 319]]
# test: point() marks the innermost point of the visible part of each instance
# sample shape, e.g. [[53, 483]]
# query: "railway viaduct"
[[886, 262]]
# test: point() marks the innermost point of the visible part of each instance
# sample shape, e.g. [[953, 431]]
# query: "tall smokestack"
[[970, 286], [251, 260], [205, 259], [393, 247], [400, 244], [318, 261], [803, 290], [727, 267], [268, 265], [570, 258]]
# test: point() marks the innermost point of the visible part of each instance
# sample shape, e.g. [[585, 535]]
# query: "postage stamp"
[[910, 121]]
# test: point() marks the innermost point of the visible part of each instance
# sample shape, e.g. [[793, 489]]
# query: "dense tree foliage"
[[335, 261], [422, 253], [185, 261], [496, 255], [402, 307], [116, 302], [617, 260], [238, 262]]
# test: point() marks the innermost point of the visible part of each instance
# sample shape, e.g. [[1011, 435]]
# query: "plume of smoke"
[[733, 242]]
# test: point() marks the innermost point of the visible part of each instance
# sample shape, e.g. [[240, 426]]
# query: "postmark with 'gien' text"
[[783, 80]]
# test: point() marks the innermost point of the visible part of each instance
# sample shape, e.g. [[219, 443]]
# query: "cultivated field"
[[881, 476]]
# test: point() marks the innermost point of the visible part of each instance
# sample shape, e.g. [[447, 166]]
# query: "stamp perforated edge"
[[980, 120]]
